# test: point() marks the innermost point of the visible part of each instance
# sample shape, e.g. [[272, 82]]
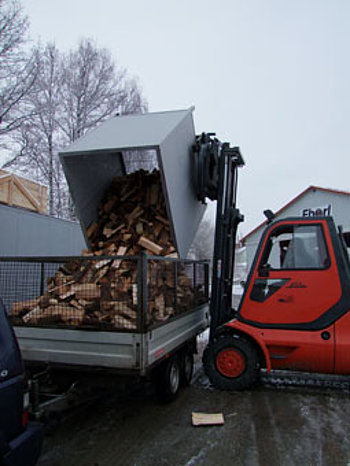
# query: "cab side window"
[[296, 247]]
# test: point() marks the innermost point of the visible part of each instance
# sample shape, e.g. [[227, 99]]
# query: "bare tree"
[[17, 71], [94, 89], [39, 138], [72, 94]]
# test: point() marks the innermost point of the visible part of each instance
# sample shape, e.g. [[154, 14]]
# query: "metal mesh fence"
[[121, 293], [174, 288]]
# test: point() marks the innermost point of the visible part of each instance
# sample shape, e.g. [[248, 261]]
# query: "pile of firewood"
[[105, 292], [132, 218]]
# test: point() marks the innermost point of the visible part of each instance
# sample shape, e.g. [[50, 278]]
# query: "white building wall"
[[335, 204]]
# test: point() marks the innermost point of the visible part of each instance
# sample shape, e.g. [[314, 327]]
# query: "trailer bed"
[[119, 345], [131, 352]]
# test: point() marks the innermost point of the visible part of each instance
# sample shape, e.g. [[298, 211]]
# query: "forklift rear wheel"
[[168, 379], [231, 363]]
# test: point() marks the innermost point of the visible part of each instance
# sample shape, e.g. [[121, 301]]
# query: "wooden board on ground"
[[207, 419]]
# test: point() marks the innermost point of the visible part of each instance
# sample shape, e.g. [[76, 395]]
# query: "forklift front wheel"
[[231, 363]]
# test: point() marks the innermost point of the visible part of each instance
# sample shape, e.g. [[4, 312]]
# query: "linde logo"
[[316, 211]]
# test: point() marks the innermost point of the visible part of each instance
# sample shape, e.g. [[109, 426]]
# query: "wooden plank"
[[135, 213], [12, 195], [5, 178], [153, 197], [62, 287], [134, 294], [162, 220], [92, 229], [27, 194], [139, 228], [69, 294], [108, 232], [150, 245], [159, 303], [173, 255], [127, 312], [87, 291], [32, 315], [10, 192], [64, 312], [207, 419], [120, 252], [157, 229], [121, 322], [110, 204], [101, 264], [18, 307], [129, 193]]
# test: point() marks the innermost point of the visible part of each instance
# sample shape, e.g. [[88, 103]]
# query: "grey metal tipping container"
[[91, 162]]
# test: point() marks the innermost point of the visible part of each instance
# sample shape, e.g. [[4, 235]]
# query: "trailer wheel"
[[168, 379], [231, 363], [186, 368]]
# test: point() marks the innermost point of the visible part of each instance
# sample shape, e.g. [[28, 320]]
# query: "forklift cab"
[[294, 311], [295, 261]]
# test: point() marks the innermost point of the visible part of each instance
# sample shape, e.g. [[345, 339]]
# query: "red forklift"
[[294, 311]]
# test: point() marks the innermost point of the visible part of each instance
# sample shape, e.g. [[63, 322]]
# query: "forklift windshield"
[[293, 247]]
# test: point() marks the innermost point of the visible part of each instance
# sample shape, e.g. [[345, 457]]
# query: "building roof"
[[296, 198]]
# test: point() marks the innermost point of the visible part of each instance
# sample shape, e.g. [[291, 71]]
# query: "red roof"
[[310, 188]]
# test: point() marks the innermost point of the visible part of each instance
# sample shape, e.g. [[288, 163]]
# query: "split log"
[[19, 307], [87, 291], [92, 229], [147, 244], [34, 314], [121, 252], [121, 322]]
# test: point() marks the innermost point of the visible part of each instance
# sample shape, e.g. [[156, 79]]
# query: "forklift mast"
[[216, 171]]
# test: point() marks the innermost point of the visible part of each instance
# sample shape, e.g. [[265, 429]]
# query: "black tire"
[[168, 378], [231, 363], [186, 368]]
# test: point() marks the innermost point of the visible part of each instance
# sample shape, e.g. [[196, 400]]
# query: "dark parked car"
[[20, 440]]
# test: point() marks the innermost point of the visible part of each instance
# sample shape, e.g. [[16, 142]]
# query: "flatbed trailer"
[[153, 346]]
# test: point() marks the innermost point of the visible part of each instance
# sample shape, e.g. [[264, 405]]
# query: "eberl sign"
[[316, 211]]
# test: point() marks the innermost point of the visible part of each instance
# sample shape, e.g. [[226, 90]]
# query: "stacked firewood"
[[102, 288]]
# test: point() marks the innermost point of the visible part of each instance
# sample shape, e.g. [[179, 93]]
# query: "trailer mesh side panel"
[[174, 288], [117, 293]]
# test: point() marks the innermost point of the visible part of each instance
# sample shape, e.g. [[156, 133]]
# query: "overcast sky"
[[270, 76]]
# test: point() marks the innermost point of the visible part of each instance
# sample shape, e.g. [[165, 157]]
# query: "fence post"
[[206, 272], [143, 291], [42, 278], [176, 264]]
